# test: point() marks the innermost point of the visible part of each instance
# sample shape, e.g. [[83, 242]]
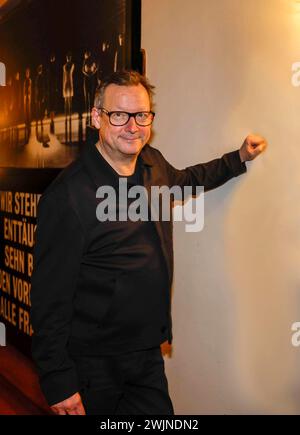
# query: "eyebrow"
[[120, 109], [126, 111]]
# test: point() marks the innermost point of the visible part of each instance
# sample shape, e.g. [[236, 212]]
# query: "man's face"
[[130, 138]]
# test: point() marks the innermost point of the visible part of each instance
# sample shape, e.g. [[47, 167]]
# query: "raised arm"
[[218, 171]]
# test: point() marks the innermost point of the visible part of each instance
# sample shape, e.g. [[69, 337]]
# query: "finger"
[[258, 150], [81, 409], [252, 144], [73, 411], [78, 410], [261, 147], [264, 145], [61, 411], [253, 139]]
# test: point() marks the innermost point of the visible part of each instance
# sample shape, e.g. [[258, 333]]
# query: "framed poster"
[[55, 54]]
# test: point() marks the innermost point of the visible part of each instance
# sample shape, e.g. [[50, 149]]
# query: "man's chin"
[[132, 147]]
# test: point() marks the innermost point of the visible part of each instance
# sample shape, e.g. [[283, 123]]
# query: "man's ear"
[[95, 118]]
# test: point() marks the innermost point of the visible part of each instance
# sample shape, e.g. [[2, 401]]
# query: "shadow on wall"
[[263, 243]]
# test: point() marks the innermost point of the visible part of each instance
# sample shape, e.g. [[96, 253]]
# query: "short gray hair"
[[123, 78]]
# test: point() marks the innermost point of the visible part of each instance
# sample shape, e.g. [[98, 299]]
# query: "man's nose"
[[132, 125]]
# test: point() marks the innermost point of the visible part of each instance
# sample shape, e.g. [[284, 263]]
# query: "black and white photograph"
[[56, 53]]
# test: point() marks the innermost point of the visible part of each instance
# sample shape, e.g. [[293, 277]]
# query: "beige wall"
[[223, 69]]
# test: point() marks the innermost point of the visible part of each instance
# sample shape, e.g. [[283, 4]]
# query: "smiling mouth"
[[131, 139]]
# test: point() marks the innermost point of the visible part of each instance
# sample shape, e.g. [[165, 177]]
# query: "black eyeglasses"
[[117, 118]]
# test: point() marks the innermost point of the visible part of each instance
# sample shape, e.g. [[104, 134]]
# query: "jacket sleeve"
[[209, 175], [58, 248]]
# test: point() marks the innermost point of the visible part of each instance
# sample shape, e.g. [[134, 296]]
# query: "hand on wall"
[[253, 146]]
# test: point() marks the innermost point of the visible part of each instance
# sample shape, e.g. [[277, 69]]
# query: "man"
[[101, 288]]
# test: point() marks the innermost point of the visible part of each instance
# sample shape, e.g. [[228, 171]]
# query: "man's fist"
[[252, 147], [72, 406]]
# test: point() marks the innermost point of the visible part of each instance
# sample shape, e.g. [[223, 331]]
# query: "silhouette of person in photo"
[[17, 98], [40, 93], [27, 96], [68, 93], [53, 90], [16, 106], [105, 62], [89, 70], [119, 54], [9, 101], [8, 110]]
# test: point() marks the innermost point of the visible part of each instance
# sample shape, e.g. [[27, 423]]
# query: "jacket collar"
[[145, 157]]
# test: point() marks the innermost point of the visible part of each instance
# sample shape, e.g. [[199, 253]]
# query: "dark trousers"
[[128, 384]]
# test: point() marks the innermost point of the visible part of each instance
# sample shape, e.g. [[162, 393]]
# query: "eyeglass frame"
[[130, 115]]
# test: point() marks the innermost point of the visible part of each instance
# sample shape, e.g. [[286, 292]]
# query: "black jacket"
[[72, 285]]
